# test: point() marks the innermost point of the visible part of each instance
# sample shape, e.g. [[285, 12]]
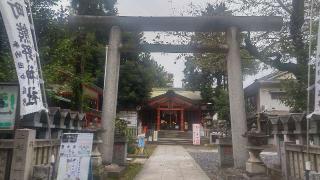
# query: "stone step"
[[175, 137], [177, 141], [174, 134]]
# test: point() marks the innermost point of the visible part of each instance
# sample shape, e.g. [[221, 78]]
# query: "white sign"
[[317, 80], [130, 116], [196, 134], [155, 135], [75, 154], [8, 106], [16, 21]]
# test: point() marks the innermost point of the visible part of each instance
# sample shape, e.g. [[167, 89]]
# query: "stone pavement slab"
[[171, 163]]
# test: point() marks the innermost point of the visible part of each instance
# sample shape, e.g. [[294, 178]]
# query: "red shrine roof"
[[174, 98]]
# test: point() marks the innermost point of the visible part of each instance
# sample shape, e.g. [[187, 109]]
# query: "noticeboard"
[[130, 116], [75, 154], [8, 106]]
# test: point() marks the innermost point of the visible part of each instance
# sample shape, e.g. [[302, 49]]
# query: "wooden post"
[[284, 161], [158, 119], [21, 167], [110, 94], [182, 120], [198, 117]]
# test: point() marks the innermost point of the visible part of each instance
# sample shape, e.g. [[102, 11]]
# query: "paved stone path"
[[171, 163]]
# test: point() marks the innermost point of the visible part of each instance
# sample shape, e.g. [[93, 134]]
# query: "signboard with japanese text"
[[16, 21], [75, 154], [196, 134], [130, 116], [317, 80], [8, 106]]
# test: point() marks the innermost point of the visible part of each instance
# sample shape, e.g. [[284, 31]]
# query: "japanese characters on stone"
[[18, 28]]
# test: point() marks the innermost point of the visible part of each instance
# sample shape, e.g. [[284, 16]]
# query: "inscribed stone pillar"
[[236, 98], [110, 94], [21, 167]]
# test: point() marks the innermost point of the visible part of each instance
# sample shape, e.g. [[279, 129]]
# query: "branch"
[[267, 58], [284, 7]]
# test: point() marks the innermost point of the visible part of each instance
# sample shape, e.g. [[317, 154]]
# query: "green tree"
[[286, 50], [139, 73], [44, 18], [72, 57], [207, 72], [137, 78]]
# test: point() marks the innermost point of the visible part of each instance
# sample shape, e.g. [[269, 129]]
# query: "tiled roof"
[[277, 75], [272, 78], [193, 95]]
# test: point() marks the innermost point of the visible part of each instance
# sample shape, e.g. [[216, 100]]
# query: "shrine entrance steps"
[[175, 137]]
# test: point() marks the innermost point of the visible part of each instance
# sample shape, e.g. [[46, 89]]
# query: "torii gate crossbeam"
[[183, 23], [232, 25]]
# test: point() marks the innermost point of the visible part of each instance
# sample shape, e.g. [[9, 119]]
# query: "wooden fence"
[[6, 150], [40, 153], [42, 148], [294, 158], [132, 132]]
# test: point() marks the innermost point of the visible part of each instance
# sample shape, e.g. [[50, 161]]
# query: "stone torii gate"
[[232, 25]]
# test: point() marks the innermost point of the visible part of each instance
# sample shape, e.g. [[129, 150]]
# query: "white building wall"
[[269, 103]]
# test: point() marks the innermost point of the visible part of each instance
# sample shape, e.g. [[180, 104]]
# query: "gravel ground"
[[206, 157]]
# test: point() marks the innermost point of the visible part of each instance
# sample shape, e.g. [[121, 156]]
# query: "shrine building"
[[172, 109]]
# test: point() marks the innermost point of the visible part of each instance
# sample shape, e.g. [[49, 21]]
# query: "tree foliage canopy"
[[286, 50], [71, 57], [208, 72]]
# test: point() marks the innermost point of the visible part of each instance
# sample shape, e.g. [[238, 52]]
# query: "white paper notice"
[[75, 154]]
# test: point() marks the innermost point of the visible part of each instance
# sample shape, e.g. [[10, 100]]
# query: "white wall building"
[[265, 93]]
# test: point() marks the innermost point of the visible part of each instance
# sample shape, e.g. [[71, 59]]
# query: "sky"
[[168, 8], [160, 8]]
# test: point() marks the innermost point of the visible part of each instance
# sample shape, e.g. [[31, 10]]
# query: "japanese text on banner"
[[15, 17]]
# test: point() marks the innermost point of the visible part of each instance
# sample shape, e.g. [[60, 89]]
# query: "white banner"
[[317, 80], [15, 17]]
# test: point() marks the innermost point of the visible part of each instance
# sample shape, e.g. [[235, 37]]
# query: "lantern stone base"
[[255, 168], [256, 177]]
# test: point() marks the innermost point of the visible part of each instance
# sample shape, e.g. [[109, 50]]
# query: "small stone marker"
[[225, 153]]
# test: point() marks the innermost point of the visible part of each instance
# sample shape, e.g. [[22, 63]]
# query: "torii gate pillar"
[[236, 99], [110, 94]]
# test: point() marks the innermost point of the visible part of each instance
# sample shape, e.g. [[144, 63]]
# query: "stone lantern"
[[257, 142]]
